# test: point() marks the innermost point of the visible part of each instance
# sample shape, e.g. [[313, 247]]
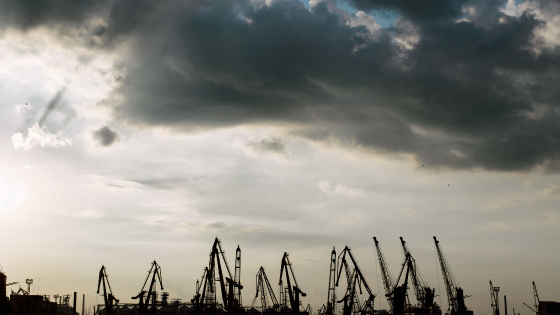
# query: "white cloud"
[[92, 214], [23, 108], [39, 136], [409, 212], [348, 191], [363, 19], [549, 33], [103, 181], [325, 186], [339, 189]]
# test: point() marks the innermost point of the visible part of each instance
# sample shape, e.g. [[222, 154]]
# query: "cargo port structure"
[[217, 276]]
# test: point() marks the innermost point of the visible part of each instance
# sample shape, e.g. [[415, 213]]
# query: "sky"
[[134, 131]]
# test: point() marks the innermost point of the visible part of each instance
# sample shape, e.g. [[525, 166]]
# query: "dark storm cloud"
[[274, 145], [27, 14], [52, 105], [105, 136], [467, 94]]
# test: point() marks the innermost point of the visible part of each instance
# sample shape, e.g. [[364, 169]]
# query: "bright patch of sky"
[[384, 19]]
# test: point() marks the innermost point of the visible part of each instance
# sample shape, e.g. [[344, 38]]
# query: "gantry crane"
[[108, 296], [386, 274], [494, 298], [355, 279], [424, 293], [294, 291], [331, 298], [455, 295], [268, 298], [148, 299]]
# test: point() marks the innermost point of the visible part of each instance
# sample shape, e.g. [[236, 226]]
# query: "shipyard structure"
[[21, 302], [218, 291]]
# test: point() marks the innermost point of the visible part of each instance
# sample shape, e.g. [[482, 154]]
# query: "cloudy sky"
[[140, 130]]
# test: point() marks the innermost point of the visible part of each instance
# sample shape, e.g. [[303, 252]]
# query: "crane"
[[399, 294], [294, 291], [108, 296], [331, 297], [354, 279], [266, 292], [198, 299], [455, 296], [494, 298], [231, 299], [424, 294], [151, 295], [237, 275], [537, 302], [386, 274]]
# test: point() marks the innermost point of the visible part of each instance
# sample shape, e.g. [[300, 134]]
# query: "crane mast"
[[388, 278], [108, 296], [455, 295], [331, 298], [424, 294], [237, 276]]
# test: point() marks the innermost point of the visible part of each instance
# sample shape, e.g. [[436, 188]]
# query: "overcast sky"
[[140, 130]]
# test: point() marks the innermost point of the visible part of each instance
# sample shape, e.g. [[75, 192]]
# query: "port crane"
[[537, 302], [355, 280], [386, 275], [294, 291], [149, 298], [399, 294], [198, 299], [108, 296], [424, 293], [232, 296], [331, 298], [495, 301], [268, 298], [455, 295]]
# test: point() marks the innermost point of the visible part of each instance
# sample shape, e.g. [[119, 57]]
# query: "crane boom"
[[455, 295], [294, 291], [356, 279], [388, 278], [424, 293], [108, 296], [494, 298]]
